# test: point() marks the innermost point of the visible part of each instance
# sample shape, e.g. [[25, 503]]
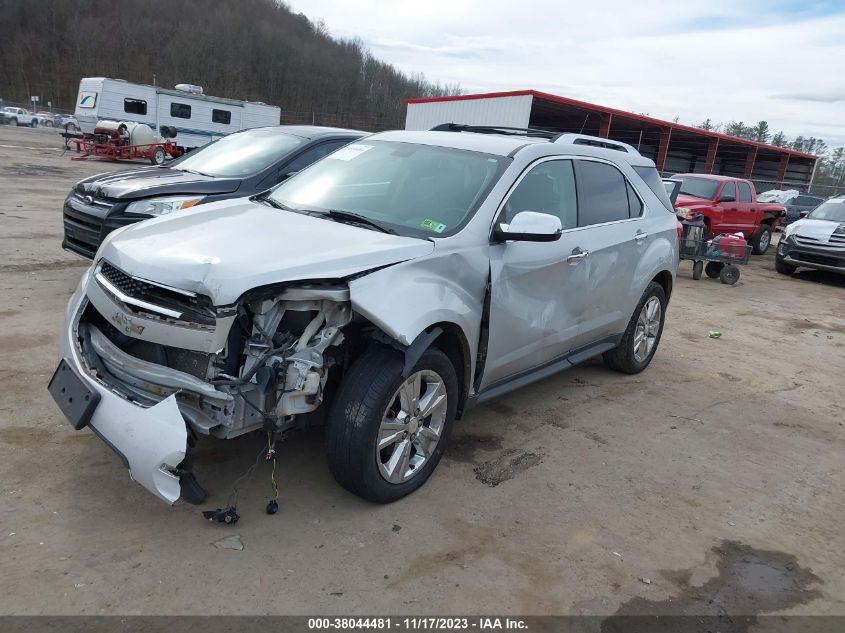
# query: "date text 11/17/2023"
[[416, 623]]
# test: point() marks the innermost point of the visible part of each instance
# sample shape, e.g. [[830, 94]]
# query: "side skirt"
[[550, 368]]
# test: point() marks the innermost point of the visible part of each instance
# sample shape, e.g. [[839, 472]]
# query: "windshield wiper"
[[193, 171], [266, 199], [348, 216]]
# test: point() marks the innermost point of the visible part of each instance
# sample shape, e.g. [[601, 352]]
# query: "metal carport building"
[[674, 148]]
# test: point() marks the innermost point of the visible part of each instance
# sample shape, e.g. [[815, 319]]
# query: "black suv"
[[799, 206], [241, 164]]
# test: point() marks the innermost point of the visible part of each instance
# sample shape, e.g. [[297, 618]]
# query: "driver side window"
[[547, 188]]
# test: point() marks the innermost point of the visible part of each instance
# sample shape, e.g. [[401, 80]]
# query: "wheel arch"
[[449, 338], [664, 279]]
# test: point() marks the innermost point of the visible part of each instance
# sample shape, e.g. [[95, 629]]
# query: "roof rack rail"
[[496, 129], [595, 141]]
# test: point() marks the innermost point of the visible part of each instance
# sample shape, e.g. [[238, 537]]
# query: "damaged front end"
[[261, 363]]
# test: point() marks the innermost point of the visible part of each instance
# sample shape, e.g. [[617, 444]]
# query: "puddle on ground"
[[26, 169], [506, 466], [749, 582], [463, 448]]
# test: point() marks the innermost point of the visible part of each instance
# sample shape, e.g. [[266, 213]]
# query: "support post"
[[750, 159], [812, 176], [711, 156], [784, 163], [663, 149], [604, 126]]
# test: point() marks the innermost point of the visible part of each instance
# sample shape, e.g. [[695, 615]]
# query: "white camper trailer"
[[196, 118]]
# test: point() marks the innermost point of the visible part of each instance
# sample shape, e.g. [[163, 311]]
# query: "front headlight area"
[[163, 206]]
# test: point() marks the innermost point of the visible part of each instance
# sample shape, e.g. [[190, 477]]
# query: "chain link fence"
[[331, 119]]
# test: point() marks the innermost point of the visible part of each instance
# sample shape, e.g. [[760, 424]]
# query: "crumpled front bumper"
[[151, 441]]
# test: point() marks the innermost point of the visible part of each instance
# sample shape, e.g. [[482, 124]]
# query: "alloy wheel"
[[647, 330], [411, 426]]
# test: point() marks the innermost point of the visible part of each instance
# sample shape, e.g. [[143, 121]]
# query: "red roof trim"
[[618, 113]]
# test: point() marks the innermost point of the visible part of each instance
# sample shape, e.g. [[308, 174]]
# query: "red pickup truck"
[[729, 205]]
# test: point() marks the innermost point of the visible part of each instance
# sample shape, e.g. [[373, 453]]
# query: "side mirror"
[[530, 226], [803, 214], [727, 197]]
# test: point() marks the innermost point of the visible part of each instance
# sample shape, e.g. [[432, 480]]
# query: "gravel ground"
[[717, 472]]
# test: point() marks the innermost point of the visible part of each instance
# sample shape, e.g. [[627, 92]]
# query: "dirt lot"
[[716, 474]]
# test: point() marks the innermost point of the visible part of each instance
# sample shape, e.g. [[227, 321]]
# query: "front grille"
[[836, 242], [82, 231], [194, 308], [813, 258]]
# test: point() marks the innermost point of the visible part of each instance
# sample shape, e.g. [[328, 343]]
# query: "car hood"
[[685, 200], [226, 248], [819, 229], [154, 181]]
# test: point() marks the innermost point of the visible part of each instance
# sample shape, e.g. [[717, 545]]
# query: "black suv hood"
[[153, 181]]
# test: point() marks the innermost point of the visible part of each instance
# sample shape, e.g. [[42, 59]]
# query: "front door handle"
[[576, 256], [640, 236]]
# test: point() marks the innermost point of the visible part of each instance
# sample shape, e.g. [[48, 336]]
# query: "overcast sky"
[[778, 60]]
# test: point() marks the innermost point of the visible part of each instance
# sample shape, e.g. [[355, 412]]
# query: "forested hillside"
[[245, 49]]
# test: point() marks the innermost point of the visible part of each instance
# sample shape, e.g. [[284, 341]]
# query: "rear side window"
[[134, 106], [547, 188], [744, 192], [180, 110], [602, 193], [635, 205], [652, 179], [221, 116]]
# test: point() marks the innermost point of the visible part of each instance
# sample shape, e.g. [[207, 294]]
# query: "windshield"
[[698, 187], [833, 210], [239, 155], [417, 190]]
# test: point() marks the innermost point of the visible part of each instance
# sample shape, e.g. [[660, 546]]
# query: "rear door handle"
[[576, 256], [640, 236]]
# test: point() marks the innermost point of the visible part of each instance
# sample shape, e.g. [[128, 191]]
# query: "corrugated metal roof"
[[545, 96]]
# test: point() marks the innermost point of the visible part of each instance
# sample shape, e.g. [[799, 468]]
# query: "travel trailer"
[[183, 114]]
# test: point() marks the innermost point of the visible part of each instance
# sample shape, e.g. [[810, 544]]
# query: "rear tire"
[[784, 269], [624, 357], [33, 123], [697, 267], [371, 395], [761, 242], [712, 269], [13, 122], [729, 275]]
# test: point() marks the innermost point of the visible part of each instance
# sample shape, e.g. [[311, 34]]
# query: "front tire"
[[385, 433], [761, 242], [642, 336], [783, 268]]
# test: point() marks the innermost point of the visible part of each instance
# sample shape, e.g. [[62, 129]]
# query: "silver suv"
[[383, 291]]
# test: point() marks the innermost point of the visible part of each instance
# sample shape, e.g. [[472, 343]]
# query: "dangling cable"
[[273, 505]]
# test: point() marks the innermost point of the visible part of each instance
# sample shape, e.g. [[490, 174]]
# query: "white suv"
[[383, 291]]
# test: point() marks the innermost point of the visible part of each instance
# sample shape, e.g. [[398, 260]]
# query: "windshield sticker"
[[350, 151], [432, 225]]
